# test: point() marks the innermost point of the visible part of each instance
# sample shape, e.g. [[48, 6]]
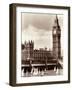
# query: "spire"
[[56, 23]]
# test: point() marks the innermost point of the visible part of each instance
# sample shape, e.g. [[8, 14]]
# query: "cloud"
[[40, 21], [40, 37]]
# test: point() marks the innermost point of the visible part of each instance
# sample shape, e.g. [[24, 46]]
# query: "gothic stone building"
[[31, 56]]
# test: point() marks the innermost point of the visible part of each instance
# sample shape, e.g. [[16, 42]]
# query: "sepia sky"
[[38, 27]]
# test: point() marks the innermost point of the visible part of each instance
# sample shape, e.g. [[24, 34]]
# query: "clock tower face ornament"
[[54, 32]]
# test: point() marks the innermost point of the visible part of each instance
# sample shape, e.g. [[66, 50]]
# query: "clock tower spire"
[[56, 33]]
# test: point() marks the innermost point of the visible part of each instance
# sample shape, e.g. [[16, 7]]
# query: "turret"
[[56, 33]]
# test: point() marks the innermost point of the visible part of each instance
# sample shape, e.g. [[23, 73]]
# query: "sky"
[[38, 27]]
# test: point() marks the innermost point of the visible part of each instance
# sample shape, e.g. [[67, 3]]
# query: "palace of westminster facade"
[[43, 56]]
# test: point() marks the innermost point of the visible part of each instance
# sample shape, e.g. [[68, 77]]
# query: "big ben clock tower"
[[56, 33]]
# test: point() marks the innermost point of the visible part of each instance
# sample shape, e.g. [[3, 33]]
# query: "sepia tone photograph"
[[41, 44]]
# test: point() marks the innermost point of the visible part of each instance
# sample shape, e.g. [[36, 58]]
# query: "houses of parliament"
[[43, 58]]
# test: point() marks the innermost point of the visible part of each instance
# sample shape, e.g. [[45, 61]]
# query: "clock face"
[[54, 31]]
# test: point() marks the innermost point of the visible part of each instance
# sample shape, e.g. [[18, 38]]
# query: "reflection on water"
[[37, 72]]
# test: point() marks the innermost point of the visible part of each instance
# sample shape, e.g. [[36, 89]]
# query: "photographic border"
[[12, 48]]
